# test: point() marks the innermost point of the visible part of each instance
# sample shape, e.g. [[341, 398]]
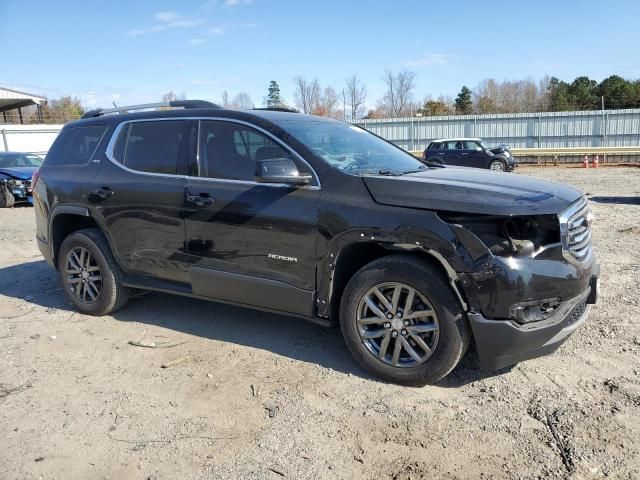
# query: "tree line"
[[349, 102], [489, 96]]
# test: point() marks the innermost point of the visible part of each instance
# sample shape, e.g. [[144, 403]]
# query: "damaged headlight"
[[14, 183], [509, 236]]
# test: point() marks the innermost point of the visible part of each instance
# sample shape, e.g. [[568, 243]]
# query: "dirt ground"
[[256, 395]]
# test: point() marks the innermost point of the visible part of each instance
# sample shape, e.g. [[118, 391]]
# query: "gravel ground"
[[255, 395]]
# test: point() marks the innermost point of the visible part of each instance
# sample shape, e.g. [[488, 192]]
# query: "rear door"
[[250, 243], [139, 196]]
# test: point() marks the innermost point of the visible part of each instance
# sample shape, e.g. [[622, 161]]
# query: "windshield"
[[352, 149], [20, 160], [483, 145]]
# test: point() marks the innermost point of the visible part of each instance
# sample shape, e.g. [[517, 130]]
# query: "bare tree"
[[171, 96], [225, 99], [328, 105], [354, 98], [242, 101], [399, 92], [307, 94]]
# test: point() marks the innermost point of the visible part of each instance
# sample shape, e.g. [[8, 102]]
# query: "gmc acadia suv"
[[319, 219]]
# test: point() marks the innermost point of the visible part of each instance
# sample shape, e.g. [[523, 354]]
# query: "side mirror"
[[280, 170], [478, 149]]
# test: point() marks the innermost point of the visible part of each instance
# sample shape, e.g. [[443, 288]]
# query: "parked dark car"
[[16, 172], [469, 152], [321, 220]]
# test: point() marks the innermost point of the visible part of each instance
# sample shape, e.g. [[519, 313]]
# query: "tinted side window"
[[229, 150], [435, 146], [75, 146], [156, 147]]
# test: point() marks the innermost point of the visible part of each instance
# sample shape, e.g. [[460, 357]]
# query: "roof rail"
[[186, 104], [278, 109]]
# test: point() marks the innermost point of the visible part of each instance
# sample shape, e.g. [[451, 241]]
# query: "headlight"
[[510, 236], [15, 183]]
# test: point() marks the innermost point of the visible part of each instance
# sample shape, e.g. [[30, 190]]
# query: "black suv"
[[469, 152], [318, 219]]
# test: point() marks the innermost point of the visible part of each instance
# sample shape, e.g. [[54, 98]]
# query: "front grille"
[[577, 312], [575, 225]]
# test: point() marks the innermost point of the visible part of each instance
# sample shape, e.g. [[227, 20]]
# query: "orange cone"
[[596, 162], [585, 162]]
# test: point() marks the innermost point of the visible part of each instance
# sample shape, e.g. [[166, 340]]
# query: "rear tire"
[[445, 331], [7, 200], [90, 277]]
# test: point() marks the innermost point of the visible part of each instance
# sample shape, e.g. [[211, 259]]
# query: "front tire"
[[401, 321], [90, 277], [497, 166], [7, 200]]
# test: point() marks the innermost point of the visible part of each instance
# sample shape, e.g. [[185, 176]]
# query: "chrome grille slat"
[[576, 231]]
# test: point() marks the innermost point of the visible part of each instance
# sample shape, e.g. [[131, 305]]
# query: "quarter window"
[[75, 146], [156, 147], [230, 150]]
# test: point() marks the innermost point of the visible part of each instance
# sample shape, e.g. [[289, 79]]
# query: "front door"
[[250, 243], [139, 196], [473, 155]]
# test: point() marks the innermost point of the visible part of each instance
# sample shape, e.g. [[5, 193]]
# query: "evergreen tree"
[[559, 97], [273, 95], [464, 103], [617, 92]]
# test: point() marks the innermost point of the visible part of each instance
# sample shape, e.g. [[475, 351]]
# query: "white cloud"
[[167, 20], [216, 30], [167, 17], [234, 3], [427, 60], [197, 41]]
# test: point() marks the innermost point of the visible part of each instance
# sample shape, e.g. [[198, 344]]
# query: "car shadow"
[[619, 200], [35, 282]]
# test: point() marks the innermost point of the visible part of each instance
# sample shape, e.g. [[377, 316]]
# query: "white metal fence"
[[28, 138], [608, 128]]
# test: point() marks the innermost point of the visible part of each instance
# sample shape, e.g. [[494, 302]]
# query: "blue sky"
[[134, 51]]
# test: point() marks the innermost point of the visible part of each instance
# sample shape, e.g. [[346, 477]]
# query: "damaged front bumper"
[[501, 343]]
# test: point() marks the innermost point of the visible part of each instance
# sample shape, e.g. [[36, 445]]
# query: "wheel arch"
[[354, 256], [66, 219]]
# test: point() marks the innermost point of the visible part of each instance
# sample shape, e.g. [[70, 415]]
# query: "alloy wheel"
[[497, 167], [397, 324], [83, 275]]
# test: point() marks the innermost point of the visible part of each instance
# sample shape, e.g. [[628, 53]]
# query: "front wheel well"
[[355, 256], [65, 224]]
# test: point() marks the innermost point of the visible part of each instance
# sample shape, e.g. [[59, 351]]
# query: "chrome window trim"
[[121, 125]]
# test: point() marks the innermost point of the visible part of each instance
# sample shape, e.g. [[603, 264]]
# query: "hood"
[[472, 190], [21, 173]]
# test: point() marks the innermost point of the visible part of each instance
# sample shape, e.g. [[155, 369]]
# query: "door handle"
[[201, 200], [102, 193], [465, 154]]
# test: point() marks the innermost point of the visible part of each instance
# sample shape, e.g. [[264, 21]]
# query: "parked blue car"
[[16, 173]]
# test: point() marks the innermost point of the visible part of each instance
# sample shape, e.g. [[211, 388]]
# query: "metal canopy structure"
[[15, 100]]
